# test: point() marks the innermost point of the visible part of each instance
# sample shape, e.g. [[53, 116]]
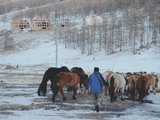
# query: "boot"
[[97, 108]]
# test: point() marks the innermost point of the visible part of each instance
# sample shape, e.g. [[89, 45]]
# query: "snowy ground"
[[19, 101]]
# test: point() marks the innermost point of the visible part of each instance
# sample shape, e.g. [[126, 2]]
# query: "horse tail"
[[142, 90], [43, 86], [143, 86], [111, 89], [133, 88]]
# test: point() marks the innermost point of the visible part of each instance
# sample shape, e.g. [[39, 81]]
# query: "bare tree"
[[8, 41]]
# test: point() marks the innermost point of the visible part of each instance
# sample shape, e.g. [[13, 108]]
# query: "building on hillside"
[[93, 20], [41, 23], [19, 24], [64, 22]]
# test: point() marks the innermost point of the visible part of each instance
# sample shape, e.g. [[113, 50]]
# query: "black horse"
[[49, 75]]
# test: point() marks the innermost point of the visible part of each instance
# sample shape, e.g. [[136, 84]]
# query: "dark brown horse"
[[131, 84], [136, 86], [141, 87], [83, 76], [68, 79], [49, 75]]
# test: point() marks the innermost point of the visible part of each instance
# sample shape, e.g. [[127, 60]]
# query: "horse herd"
[[135, 85]]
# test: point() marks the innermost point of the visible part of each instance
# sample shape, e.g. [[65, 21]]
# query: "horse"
[[131, 84], [83, 76], [106, 75], [141, 87], [49, 75], [152, 81], [137, 86], [117, 85], [68, 79]]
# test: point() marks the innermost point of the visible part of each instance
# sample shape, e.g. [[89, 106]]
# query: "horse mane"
[[64, 68]]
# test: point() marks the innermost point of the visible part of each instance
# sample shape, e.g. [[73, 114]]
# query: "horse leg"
[[154, 90], [55, 90], [140, 98], [62, 93], [106, 90], [80, 84], [132, 94], [121, 94], [79, 89], [148, 90], [74, 93], [142, 91]]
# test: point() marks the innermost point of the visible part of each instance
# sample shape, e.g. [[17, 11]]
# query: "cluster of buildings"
[[43, 23], [37, 23]]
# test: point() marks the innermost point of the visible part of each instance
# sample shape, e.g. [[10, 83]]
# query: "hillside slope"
[[35, 48]]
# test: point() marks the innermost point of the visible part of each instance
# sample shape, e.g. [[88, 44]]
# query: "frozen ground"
[[19, 101]]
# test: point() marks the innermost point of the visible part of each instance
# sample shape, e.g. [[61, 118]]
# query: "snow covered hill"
[[38, 48]]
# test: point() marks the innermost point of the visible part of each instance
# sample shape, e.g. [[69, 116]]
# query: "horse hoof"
[[64, 98], [111, 101], [74, 98], [115, 98], [97, 108], [122, 99]]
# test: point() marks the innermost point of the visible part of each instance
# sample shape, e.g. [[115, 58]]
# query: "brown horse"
[[152, 81], [136, 86], [62, 79], [141, 87], [131, 84]]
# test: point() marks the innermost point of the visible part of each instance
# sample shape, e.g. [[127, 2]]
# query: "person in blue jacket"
[[95, 84]]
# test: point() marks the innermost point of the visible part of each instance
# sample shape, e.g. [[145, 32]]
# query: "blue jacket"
[[95, 83]]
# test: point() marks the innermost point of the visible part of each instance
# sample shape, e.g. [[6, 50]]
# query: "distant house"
[[93, 20], [41, 23], [19, 24], [64, 22]]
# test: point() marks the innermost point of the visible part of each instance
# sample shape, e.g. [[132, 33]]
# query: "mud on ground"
[[29, 92]]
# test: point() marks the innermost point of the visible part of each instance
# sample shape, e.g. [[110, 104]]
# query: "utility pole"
[[5, 14], [56, 50]]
